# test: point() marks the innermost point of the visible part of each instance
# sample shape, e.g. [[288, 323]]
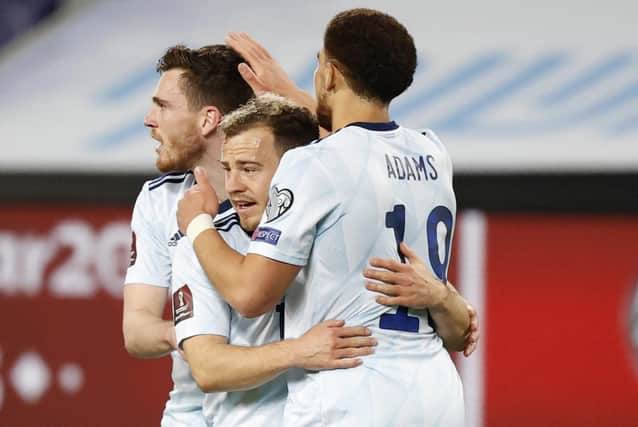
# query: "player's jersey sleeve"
[[150, 259], [302, 204], [197, 308]]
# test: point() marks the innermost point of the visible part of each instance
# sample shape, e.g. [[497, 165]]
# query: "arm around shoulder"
[[251, 284]]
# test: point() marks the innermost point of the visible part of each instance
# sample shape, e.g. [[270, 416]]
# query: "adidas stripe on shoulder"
[[171, 177], [228, 222]]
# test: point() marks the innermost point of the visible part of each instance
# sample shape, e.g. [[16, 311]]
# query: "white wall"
[[508, 85]]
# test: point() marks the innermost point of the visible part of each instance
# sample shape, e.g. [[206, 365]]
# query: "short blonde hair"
[[291, 124]]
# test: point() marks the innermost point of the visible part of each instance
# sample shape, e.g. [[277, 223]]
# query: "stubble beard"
[[183, 155], [324, 114]]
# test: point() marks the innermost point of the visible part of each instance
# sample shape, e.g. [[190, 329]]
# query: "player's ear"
[[330, 77], [210, 118]]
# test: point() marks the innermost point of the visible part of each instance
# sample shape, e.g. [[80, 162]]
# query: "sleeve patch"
[[267, 235], [182, 304], [279, 203]]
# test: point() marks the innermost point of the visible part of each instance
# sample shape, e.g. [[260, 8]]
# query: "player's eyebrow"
[[240, 163], [248, 162], [160, 101]]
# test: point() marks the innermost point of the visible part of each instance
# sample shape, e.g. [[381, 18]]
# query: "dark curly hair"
[[210, 76], [375, 53]]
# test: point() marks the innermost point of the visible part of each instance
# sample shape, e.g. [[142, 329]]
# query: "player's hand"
[[473, 335], [201, 198], [262, 72], [410, 285], [330, 345]]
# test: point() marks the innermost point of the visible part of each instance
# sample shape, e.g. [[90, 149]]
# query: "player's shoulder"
[[169, 181], [183, 251], [165, 190], [226, 217], [229, 228], [360, 132], [429, 135], [424, 138], [315, 149]]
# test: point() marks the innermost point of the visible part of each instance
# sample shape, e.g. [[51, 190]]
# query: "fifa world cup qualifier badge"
[[280, 202], [182, 304]]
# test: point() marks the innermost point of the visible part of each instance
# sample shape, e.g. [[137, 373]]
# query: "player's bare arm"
[[146, 334], [412, 285], [251, 284], [218, 366]]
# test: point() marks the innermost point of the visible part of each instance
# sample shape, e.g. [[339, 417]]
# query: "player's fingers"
[[238, 45], [355, 342], [332, 323], [252, 51], [353, 331], [201, 177], [411, 256], [251, 78], [470, 309], [350, 352], [385, 289], [390, 301], [382, 275], [346, 363], [388, 264], [474, 319], [469, 349], [193, 190], [255, 46]]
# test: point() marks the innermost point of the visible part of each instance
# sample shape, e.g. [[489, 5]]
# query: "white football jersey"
[[199, 310], [334, 205], [155, 237]]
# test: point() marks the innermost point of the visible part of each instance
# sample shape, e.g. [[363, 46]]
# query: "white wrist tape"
[[200, 223]]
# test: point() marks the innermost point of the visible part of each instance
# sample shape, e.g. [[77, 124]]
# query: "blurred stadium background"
[[537, 103]]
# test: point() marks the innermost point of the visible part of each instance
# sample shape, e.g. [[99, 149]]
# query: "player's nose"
[[234, 184], [149, 120]]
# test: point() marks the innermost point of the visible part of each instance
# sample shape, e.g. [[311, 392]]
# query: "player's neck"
[[210, 162], [350, 108]]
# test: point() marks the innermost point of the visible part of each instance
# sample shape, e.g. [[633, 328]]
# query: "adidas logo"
[[173, 240]]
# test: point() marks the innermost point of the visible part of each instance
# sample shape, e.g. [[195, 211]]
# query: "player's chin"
[[248, 222], [162, 165], [165, 163]]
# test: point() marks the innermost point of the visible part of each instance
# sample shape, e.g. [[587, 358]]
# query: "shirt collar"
[[376, 126]]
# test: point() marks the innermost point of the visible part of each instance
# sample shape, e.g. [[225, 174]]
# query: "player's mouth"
[[242, 206], [158, 139]]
